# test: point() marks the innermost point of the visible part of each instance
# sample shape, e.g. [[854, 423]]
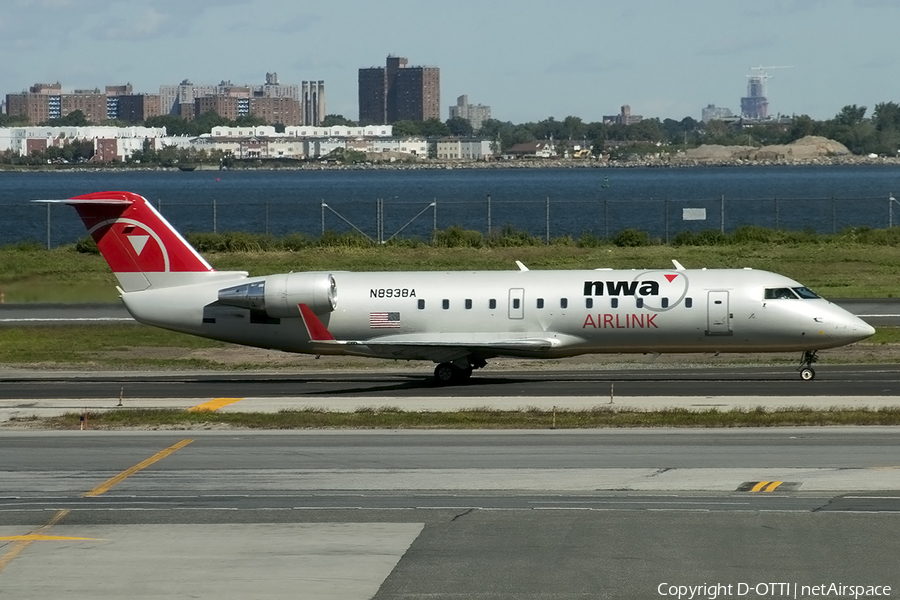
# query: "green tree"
[[433, 128], [332, 120], [75, 118], [407, 128], [13, 120], [851, 115], [801, 127], [459, 127]]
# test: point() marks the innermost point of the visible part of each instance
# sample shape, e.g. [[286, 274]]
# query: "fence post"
[[777, 216], [434, 224], [722, 215], [323, 217], [267, 216], [833, 218], [606, 218], [489, 214], [891, 201], [666, 208], [215, 218], [48, 226], [548, 220]]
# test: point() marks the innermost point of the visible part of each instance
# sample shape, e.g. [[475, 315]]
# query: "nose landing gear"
[[807, 373]]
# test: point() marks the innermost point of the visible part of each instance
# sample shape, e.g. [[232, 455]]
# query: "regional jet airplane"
[[458, 319]]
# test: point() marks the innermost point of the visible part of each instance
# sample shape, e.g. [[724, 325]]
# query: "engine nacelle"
[[279, 295]]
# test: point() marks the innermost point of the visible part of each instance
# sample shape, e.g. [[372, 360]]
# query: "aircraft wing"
[[435, 346]]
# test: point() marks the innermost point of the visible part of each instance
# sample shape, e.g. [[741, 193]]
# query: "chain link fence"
[[381, 219]]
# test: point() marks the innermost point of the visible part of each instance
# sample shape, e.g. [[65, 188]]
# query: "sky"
[[526, 59]]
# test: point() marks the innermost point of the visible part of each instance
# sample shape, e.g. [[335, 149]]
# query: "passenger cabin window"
[[639, 302], [688, 302], [589, 303], [540, 303], [492, 304], [468, 303], [516, 303], [614, 303], [421, 303], [563, 302], [445, 303], [665, 303]]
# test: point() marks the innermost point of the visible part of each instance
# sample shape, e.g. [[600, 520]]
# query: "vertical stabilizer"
[[141, 247]]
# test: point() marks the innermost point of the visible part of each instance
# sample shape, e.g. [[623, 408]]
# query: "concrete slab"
[[339, 561]]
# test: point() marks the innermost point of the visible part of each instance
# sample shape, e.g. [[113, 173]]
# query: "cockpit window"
[[805, 293], [790, 293], [780, 294]]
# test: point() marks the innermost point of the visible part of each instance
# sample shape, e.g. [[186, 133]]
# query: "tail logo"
[[138, 242], [144, 256]]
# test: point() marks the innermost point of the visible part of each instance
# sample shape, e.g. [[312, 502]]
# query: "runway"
[[599, 514]]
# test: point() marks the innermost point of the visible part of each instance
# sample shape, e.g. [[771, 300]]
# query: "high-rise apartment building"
[[396, 92], [272, 101], [475, 114], [137, 108], [44, 101], [312, 95]]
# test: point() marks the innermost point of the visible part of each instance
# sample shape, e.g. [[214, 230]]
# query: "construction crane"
[[762, 76]]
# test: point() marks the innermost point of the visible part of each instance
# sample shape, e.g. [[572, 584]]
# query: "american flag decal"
[[384, 320]]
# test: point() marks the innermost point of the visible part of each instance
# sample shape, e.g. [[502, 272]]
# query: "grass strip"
[[394, 418]]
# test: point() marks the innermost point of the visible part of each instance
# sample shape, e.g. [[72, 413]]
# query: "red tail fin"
[[137, 242], [133, 237]]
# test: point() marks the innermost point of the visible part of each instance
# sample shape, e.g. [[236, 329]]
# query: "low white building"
[[25, 140], [464, 148]]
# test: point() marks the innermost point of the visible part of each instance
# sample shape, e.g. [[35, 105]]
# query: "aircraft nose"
[[853, 329]]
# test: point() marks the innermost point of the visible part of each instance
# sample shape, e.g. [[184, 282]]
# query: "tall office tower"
[[397, 92], [312, 95]]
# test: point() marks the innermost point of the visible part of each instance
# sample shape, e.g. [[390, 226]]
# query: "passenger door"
[[718, 319]]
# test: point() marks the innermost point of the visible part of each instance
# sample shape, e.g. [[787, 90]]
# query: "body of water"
[[565, 201]]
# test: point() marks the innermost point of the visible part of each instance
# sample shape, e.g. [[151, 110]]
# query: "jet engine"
[[279, 295]]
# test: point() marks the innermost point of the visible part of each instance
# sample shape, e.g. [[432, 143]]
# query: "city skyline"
[[664, 59]]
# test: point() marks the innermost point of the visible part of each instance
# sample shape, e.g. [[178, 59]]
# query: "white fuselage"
[[425, 315]]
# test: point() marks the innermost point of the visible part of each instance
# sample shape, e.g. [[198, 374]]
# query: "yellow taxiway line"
[[106, 485], [214, 404]]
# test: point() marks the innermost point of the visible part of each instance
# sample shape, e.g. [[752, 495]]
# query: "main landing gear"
[[807, 373], [452, 373]]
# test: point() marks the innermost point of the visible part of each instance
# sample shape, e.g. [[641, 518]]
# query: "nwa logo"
[[651, 286], [140, 248]]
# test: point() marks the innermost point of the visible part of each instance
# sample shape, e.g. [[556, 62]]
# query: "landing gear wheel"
[[806, 362], [445, 374], [449, 374]]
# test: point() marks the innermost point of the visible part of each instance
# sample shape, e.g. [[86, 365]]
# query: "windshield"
[[805, 293], [790, 293]]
